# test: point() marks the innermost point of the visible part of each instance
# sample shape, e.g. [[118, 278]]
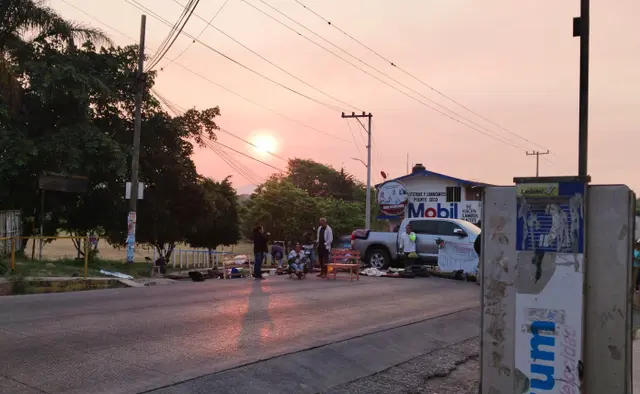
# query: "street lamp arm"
[[360, 160]]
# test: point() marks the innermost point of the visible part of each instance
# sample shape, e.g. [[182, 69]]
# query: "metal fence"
[[10, 226], [197, 258]]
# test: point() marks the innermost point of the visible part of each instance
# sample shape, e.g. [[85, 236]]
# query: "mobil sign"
[[448, 210]]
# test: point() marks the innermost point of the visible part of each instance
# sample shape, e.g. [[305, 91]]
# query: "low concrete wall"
[[54, 285]]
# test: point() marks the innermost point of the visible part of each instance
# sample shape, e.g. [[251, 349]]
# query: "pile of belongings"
[[391, 273]]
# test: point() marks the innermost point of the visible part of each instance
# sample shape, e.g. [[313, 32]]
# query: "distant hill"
[[243, 197]]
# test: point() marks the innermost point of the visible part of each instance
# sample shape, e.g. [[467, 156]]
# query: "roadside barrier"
[[55, 248], [13, 247]]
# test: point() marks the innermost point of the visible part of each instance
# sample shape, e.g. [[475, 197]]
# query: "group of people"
[[297, 258]]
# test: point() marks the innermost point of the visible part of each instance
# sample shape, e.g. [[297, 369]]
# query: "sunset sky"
[[513, 62]]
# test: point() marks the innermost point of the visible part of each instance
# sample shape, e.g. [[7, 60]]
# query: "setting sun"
[[264, 144]]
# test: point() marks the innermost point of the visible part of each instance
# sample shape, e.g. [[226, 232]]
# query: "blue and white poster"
[[550, 217]]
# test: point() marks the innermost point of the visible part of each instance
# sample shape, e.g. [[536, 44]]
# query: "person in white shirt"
[[324, 240], [297, 260], [408, 244]]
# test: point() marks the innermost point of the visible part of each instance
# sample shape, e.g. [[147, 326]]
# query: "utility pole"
[[537, 155], [135, 157], [581, 28], [367, 219]]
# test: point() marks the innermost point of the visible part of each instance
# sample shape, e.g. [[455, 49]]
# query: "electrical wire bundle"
[[174, 33]]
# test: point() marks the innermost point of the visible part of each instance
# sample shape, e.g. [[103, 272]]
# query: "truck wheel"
[[378, 258]]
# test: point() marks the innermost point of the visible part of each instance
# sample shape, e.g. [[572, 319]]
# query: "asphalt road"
[[141, 339]]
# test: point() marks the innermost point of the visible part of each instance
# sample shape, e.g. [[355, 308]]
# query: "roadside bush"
[[19, 285], [4, 267]]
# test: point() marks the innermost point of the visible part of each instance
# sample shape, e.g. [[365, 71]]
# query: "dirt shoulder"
[[452, 370]]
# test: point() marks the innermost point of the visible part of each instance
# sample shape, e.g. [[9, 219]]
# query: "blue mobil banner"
[[447, 210]]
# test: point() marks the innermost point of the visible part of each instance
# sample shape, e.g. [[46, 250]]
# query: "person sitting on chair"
[[297, 261]]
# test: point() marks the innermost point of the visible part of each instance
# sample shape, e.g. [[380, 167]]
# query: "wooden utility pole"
[[367, 223], [135, 157], [537, 155]]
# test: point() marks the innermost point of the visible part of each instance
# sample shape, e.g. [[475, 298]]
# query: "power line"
[[439, 92], [373, 144], [249, 157], [166, 40], [207, 79], [209, 24], [252, 144], [199, 34], [354, 139], [141, 7], [393, 64], [241, 169], [245, 172], [487, 133], [179, 112], [234, 164], [175, 32]]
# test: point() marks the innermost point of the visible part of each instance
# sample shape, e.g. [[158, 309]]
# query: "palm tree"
[[23, 22], [22, 18]]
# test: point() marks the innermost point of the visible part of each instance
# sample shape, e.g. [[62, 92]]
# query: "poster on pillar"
[[549, 286], [131, 236]]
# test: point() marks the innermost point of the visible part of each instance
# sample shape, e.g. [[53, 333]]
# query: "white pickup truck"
[[380, 249]]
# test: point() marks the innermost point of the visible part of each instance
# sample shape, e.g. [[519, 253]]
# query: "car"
[[380, 249], [343, 242]]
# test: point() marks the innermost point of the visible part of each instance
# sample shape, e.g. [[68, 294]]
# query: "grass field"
[[75, 268], [64, 249]]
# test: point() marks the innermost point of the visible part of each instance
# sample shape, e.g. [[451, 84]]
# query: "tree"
[[343, 216], [287, 211], [22, 18], [75, 117], [54, 132], [320, 180], [27, 22], [283, 209], [218, 224], [174, 198]]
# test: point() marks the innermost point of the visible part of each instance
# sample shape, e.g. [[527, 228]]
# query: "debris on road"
[[116, 274], [372, 272]]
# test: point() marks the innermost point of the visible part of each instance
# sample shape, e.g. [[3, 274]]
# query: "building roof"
[[438, 175]]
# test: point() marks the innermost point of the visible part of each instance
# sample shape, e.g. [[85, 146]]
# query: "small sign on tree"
[[140, 190]]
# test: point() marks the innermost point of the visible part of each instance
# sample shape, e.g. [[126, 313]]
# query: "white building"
[[425, 193]]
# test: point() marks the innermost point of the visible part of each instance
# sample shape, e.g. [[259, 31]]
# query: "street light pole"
[[581, 28], [367, 219]]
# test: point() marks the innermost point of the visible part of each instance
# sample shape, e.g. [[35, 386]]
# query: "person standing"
[[636, 264], [260, 250], [477, 245], [408, 245], [325, 239], [307, 245]]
